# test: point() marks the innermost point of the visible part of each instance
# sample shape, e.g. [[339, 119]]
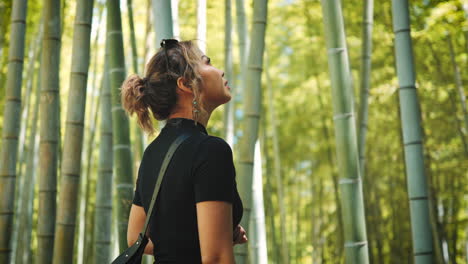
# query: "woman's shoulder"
[[215, 145]]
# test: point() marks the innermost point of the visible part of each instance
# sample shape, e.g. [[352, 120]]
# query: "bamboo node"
[[355, 244], [416, 142], [19, 60], [124, 185], [407, 87], [8, 176], [10, 137], [22, 21], [349, 180], [82, 23], [402, 30], [52, 38], [336, 50], [13, 99], [85, 74], [423, 253], [117, 108], [66, 224], [121, 146], [111, 32], [76, 123], [117, 70], [418, 198], [343, 116]]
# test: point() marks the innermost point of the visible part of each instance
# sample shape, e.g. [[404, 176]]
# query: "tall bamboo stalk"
[[201, 25], [138, 147], [162, 16], [11, 127], [252, 115], [277, 164], [23, 147], [82, 245], [103, 215], [458, 82], [356, 249], [175, 17], [49, 131], [243, 38], [120, 125], [229, 107], [334, 175], [23, 250], [367, 24], [257, 244], [73, 142], [412, 135]]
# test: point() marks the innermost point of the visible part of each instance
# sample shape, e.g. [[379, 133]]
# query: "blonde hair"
[[157, 90]]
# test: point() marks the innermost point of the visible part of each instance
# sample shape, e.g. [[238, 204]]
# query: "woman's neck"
[[203, 118]]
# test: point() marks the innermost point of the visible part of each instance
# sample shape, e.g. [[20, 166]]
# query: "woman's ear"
[[181, 84]]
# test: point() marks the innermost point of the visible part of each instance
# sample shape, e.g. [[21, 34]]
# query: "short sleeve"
[[214, 172], [136, 195]]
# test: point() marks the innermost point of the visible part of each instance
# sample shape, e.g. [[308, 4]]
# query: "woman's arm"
[[215, 232], [136, 221]]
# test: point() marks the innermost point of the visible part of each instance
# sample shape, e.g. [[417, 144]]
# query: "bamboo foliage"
[[356, 250], [458, 82], [49, 131], [11, 126], [73, 143], [367, 24], [412, 135], [103, 216], [120, 125], [252, 116]]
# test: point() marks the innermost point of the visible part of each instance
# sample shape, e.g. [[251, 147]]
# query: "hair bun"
[[133, 93]]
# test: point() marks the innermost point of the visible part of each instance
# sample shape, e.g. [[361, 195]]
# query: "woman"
[[198, 209]]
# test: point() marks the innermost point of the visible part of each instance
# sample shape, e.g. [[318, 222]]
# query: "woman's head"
[[177, 72]]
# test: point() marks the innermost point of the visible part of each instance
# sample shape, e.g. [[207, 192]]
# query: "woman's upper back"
[[202, 169]]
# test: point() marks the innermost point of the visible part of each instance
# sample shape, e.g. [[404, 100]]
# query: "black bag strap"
[[161, 174]]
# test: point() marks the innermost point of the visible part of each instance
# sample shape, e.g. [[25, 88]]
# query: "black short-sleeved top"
[[201, 169]]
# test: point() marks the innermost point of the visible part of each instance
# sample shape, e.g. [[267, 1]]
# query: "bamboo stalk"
[[367, 24], [103, 215], [9, 151], [73, 142], [228, 73], [412, 136], [356, 248], [23, 250], [120, 124], [201, 25], [162, 16], [277, 165], [252, 116], [49, 132]]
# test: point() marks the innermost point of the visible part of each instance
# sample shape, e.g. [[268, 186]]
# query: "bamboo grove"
[[348, 123]]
